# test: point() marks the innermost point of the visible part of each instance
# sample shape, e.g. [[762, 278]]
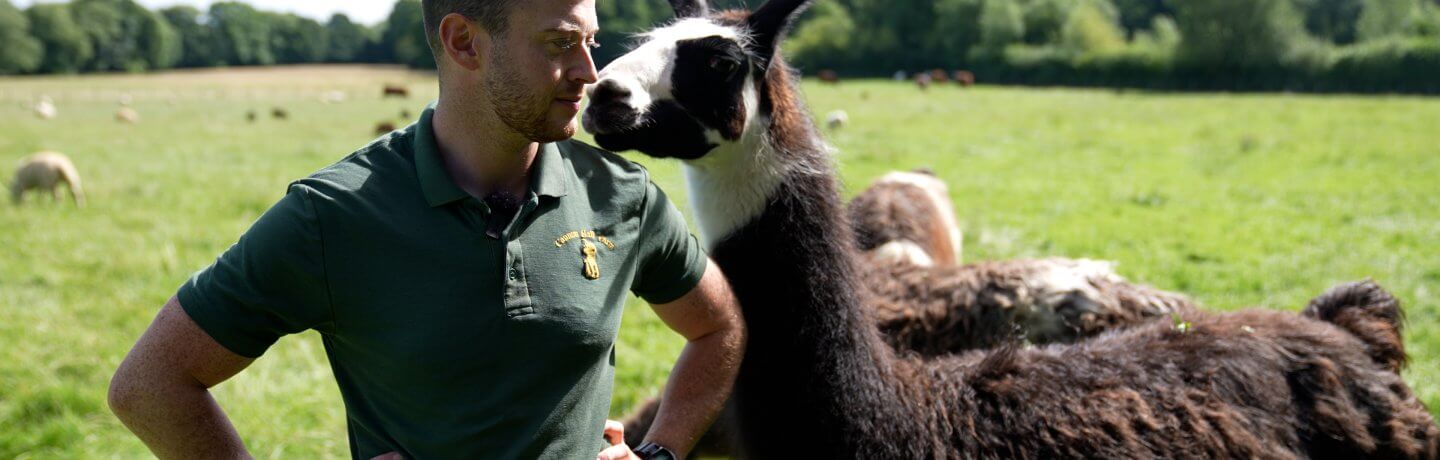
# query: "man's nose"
[[585, 72]]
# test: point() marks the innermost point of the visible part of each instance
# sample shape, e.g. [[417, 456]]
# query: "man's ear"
[[463, 40]]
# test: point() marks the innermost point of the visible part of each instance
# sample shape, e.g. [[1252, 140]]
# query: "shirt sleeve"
[[671, 260], [268, 284]]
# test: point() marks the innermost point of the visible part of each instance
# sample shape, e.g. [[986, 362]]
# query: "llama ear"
[[690, 8], [769, 24]]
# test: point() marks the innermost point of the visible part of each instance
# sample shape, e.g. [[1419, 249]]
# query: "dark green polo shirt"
[[448, 342]]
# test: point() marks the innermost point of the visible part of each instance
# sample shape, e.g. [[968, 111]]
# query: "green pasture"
[[1238, 200]]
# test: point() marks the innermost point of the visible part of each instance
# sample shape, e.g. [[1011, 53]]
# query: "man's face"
[[536, 71]]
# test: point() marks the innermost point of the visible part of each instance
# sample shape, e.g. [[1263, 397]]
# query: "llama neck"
[[777, 230], [727, 195]]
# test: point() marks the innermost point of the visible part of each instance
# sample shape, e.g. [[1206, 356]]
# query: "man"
[[467, 274]]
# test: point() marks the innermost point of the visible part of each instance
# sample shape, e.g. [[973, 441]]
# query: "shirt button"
[[514, 274]]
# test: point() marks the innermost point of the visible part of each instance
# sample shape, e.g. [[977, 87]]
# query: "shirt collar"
[[550, 174]]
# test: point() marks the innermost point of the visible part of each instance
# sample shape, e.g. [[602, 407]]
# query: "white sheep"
[[333, 97], [837, 119], [127, 115], [45, 171], [45, 109]]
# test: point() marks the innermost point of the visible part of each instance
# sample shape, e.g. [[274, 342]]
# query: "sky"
[[363, 11]]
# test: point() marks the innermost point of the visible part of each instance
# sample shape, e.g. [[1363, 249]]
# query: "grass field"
[[1238, 200]]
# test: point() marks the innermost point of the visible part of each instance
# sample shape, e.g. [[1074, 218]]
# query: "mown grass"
[[1261, 200]]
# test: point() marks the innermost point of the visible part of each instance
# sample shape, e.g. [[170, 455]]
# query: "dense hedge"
[[1398, 65]]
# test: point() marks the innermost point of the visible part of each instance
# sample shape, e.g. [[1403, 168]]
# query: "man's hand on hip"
[[615, 434]]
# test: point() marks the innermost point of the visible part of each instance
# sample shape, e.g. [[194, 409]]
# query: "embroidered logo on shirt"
[[589, 254], [592, 266]]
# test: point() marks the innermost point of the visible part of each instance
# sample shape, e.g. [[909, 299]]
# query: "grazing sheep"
[[280, 113], [964, 78], [837, 119], [46, 171], [45, 109], [394, 90], [818, 381], [333, 97], [127, 115]]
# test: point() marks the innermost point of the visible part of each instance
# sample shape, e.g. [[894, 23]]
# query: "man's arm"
[[710, 320], [161, 390]]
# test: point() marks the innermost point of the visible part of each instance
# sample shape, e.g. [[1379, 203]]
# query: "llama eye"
[[722, 65]]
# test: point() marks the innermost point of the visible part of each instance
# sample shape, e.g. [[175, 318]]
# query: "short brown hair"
[[493, 15]]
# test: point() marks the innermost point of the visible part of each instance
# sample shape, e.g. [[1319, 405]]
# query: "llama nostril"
[[609, 91]]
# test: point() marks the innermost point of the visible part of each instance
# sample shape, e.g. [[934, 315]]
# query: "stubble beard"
[[526, 114]]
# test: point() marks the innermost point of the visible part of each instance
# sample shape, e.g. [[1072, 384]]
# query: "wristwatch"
[[652, 451]]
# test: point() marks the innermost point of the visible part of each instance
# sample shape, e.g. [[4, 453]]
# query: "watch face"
[[652, 451]]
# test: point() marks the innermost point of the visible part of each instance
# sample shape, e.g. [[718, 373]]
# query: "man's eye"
[[564, 43]]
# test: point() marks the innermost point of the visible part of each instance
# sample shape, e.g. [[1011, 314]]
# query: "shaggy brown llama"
[[819, 382], [948, 309]]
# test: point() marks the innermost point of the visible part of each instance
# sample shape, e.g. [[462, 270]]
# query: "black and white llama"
[[818, 381]]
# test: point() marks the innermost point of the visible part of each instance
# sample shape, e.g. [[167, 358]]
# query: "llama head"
[[692, 85]]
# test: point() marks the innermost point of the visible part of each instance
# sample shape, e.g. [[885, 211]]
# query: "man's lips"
[[573, 103]]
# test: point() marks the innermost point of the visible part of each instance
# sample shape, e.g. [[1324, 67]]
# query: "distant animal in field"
[[46, 171], [964, 78], [837, 119], [384, 127], [333, 97], [127, 115], [45, 109], [829, 76], [280, 113], [923, 80], [251, 116], [939, 75], [395, 91]]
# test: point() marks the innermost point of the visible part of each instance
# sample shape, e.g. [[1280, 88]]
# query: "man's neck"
[[481, 154]]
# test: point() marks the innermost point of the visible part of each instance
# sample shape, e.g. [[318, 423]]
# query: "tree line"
[[1301, 45], [120, 35], [1315, 45]]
